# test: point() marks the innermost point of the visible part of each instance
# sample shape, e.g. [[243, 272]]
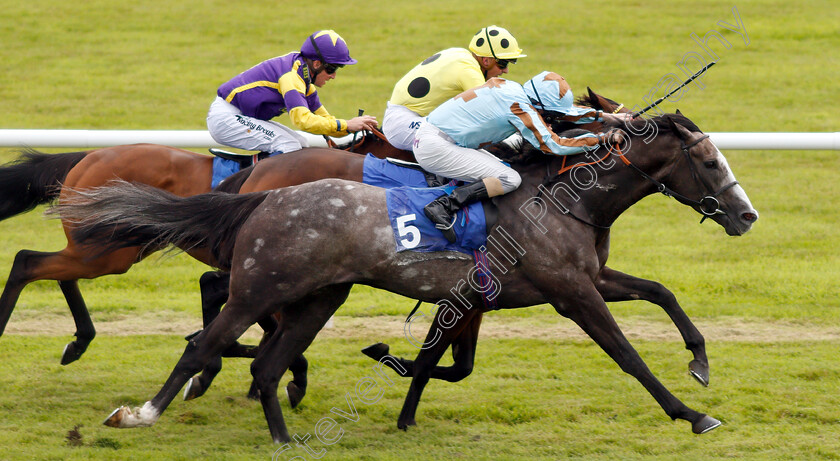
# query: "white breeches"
[[438, 154], [228, 126], [399, 125]]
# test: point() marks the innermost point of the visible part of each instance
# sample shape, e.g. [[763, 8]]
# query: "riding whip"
[[690, 79]]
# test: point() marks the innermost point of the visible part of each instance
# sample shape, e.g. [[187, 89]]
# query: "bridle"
[[709, 205]]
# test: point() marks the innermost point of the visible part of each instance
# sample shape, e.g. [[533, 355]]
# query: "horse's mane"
[[662, 123]]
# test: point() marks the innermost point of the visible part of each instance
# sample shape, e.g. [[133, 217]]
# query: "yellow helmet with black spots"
[[495, 42]]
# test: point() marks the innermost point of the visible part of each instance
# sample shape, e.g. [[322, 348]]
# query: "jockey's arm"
[[526, 119], [320, 122], [312, 122], [299, 97]]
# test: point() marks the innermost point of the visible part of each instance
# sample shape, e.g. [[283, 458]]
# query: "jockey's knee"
[[510, 181]]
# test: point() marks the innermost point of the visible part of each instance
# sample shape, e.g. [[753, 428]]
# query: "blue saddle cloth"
[[413, 230], [407, 194], [382, 173], [222, 168]]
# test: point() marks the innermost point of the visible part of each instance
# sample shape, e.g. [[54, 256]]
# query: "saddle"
[[244, 160]]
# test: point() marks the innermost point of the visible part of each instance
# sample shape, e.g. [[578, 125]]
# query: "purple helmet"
[[327, 47]]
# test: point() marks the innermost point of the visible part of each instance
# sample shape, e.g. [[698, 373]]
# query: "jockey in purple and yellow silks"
[[449, 143], [241, 114], [443, 76]]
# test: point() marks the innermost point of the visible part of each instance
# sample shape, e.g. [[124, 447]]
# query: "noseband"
[[709, 205]]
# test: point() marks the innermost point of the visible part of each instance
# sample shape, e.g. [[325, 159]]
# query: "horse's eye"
[[710, 164]]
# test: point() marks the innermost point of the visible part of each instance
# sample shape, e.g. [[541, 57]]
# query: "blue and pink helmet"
[[328, 47]]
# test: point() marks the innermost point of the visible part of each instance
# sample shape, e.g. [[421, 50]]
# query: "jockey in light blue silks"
[[449, 143]]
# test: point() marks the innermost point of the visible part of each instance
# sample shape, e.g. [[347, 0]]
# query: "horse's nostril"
[[750, 217]]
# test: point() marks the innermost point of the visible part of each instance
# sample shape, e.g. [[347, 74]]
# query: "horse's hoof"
[[376, 351], [403, 425], [123, 417], [294, 394], [115, 419], [699, 371], [193, 389], [72, 352], [705, 424]]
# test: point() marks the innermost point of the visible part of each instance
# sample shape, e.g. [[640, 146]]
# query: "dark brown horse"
[[37, 178], [303, 264]]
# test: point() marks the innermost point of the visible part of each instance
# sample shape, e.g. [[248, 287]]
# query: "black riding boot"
[[442, 210]]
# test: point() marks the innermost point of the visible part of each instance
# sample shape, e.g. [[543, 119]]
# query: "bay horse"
[[291, 251], [37, 178]]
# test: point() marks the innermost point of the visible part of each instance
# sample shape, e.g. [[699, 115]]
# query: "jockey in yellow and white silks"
[[449, 143], [443, 76], [241, 114]]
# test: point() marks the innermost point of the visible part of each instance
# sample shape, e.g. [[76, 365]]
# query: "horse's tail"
[[234, 182], [124, 215], [33, 179]]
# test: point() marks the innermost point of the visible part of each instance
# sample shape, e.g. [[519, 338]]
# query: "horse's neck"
[[596, 194]]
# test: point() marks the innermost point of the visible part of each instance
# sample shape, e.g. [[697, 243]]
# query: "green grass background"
[[156, 65]]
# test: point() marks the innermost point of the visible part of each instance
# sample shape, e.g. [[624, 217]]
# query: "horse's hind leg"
[[65, 266], [617, 286], [213, 286], [301, 323], [587, 309], [85, 332], [214, 293], [231, 323], [463, 354]]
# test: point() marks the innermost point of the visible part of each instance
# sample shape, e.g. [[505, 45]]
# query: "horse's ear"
[[678, 112], [681, 132], [593, 98]]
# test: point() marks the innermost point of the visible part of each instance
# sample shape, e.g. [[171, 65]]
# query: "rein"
[[549, 178], [708, 206], [355, 145]]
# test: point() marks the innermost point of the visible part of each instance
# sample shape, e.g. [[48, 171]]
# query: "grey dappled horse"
[[299, 250]]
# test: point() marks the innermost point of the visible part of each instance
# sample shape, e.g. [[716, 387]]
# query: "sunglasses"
[[332, 68], [503, 63]]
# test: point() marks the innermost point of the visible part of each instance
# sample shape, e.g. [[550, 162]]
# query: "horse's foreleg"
[[617, 286], [587, 309], [426, 361], [463, 354], [213, 287]]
